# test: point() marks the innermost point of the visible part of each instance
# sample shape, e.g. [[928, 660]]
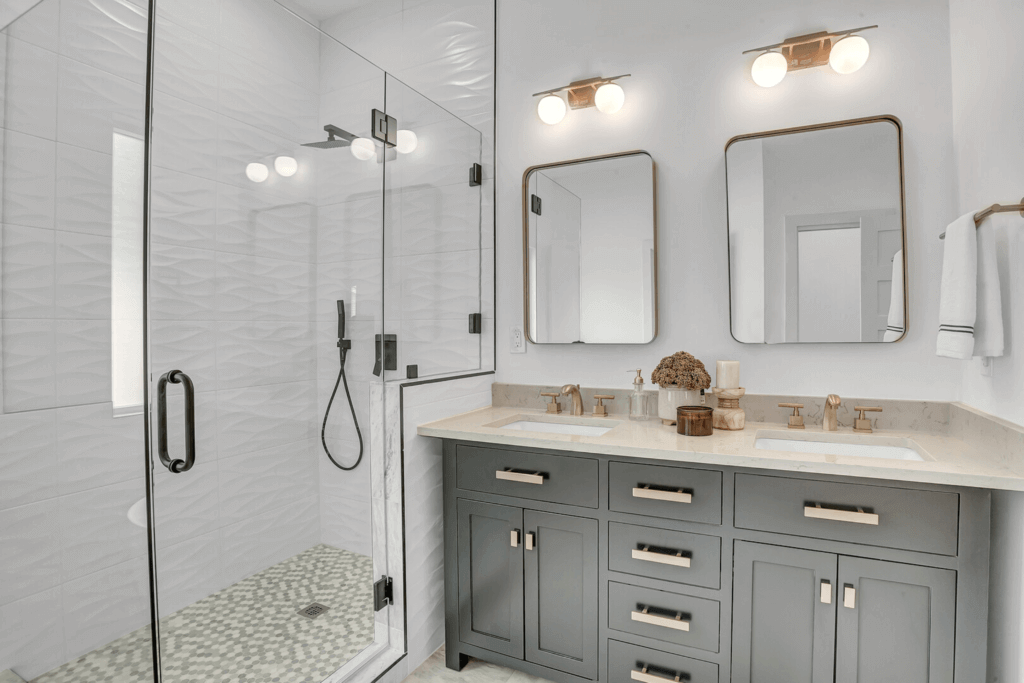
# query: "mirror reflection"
[[591, 251], [816, 234]]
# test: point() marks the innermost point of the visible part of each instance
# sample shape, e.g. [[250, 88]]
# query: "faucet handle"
[[599, 409], [796, 420], [553, 406], [862, 424]]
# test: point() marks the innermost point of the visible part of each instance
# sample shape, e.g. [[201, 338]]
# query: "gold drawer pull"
[[521, 477], [679, 624], [858, 517], [645, 677], [677, 496], [647, 555]]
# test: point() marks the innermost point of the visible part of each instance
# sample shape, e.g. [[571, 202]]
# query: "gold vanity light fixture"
[[603, 93], [844, 51]]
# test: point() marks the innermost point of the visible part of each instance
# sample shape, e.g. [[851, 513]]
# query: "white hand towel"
[[988, 326], [958, 293], [895, 327]]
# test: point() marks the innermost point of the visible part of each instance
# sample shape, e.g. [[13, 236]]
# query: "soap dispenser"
[[638, 399]]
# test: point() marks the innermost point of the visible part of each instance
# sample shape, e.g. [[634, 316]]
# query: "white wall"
[[690, 93], [987, 101]]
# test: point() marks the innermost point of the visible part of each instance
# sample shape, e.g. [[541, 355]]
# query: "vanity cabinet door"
[[784, 612], [561, 593], [491, 577], [895, 622]]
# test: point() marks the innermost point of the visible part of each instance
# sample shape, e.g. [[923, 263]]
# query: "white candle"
[[727, 374]]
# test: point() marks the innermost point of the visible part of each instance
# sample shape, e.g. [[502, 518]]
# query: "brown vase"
[[695, 420]]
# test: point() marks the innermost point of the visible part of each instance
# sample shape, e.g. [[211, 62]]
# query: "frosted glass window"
[[126, 319]]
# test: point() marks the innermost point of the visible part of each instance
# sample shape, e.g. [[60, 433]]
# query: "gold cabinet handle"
[[515, 538], [859, 517], [826, 591], [849, 597], [679, 624], [530, 541], [677, 496], [521, 477], [648, 555], [645, 677]]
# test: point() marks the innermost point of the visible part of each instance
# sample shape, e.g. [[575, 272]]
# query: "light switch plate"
[[516, 339]]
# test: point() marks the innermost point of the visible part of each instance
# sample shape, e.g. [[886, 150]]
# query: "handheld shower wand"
[[344, 346]]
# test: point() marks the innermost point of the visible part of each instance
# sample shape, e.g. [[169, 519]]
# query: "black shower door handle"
[[176, 377]]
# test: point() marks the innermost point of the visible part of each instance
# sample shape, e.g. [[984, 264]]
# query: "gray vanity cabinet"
[[895, 622], [528, 585], [784, 614], [491, 576], [561, 592], [596, 568]]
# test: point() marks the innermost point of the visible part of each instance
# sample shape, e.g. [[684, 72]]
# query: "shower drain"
[[313, 611]]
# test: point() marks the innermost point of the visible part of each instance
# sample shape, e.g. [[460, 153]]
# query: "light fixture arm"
[[590, 82], [812, 38]]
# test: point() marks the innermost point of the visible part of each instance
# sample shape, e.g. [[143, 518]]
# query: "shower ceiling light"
[[363, 149], [257, 172], [286, 166], [599, 92], [407, 142], [844, 51]]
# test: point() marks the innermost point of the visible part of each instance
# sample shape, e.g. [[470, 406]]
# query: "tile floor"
[[434, 671], [250, 632]]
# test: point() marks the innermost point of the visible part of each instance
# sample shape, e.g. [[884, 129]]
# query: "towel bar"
[[995, 208]]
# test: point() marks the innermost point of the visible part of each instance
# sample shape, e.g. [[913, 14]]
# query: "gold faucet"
[[577, 400], [831, 421]]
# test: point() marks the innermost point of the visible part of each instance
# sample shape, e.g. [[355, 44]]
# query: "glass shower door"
[[266, 268], [432, 239]]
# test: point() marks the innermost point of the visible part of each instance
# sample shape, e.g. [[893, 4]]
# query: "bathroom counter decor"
[[680, 379], [728, 415]]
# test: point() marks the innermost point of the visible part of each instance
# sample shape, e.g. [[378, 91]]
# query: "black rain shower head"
[[336, 137]]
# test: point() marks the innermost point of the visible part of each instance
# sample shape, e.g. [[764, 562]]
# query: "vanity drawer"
[[671, 492], [628, 663], [925, 521], [663, 554], [536, 476], [669, 617]]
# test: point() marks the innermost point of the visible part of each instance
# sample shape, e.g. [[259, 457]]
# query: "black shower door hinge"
[[384, 128], [535, 204], [476, 175], [383, 593], [476, 323]]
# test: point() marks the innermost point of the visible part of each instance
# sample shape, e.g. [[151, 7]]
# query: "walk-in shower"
[[175, 254]]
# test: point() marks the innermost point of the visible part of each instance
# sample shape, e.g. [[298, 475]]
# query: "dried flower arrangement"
[[683, 370]]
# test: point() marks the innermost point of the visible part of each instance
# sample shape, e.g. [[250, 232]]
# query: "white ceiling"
[[319, 10]]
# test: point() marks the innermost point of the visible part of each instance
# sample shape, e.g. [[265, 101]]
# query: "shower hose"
[[343, 346]]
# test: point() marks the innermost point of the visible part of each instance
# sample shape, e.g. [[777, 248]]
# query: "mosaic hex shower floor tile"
[[250, 632]]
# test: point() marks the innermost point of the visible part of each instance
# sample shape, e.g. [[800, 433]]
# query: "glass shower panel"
[[432, 238], [265, 236], [74, 580]]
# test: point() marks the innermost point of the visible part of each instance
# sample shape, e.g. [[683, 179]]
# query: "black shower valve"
[[345, 344]]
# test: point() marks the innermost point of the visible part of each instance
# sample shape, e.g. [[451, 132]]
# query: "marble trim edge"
[[912, 415]]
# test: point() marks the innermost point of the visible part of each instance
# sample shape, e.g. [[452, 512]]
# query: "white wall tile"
[[83, 282], [30, 99], [187, 504], [110, 36], [28, 277], [184, 210], [92, 104], [182, 283], [187, 346], [83, 195], [184, 137], [38, 26], [82, 372], [189, 571], [95, 449], [33, 640], [29, 550], [255, 353], [265, 480], [94, 529], [28, 180], [254, 288], [186, 63], [260, 417], [30, 365], [28, 459], [104, 606]]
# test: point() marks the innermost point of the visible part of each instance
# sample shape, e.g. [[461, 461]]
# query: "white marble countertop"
[[948, 460]]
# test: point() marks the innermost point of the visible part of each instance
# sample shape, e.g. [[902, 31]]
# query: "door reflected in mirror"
[[816, 234], [590, 241]]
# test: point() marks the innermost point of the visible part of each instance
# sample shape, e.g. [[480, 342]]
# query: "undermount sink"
[[574, 426], [856, 445]]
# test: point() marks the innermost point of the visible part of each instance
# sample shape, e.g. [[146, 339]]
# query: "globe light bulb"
[[257, 172], [407, 142], [551, 109], [849, 54], [769, 69], [363, 149], [286, 166], [609, 98]]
